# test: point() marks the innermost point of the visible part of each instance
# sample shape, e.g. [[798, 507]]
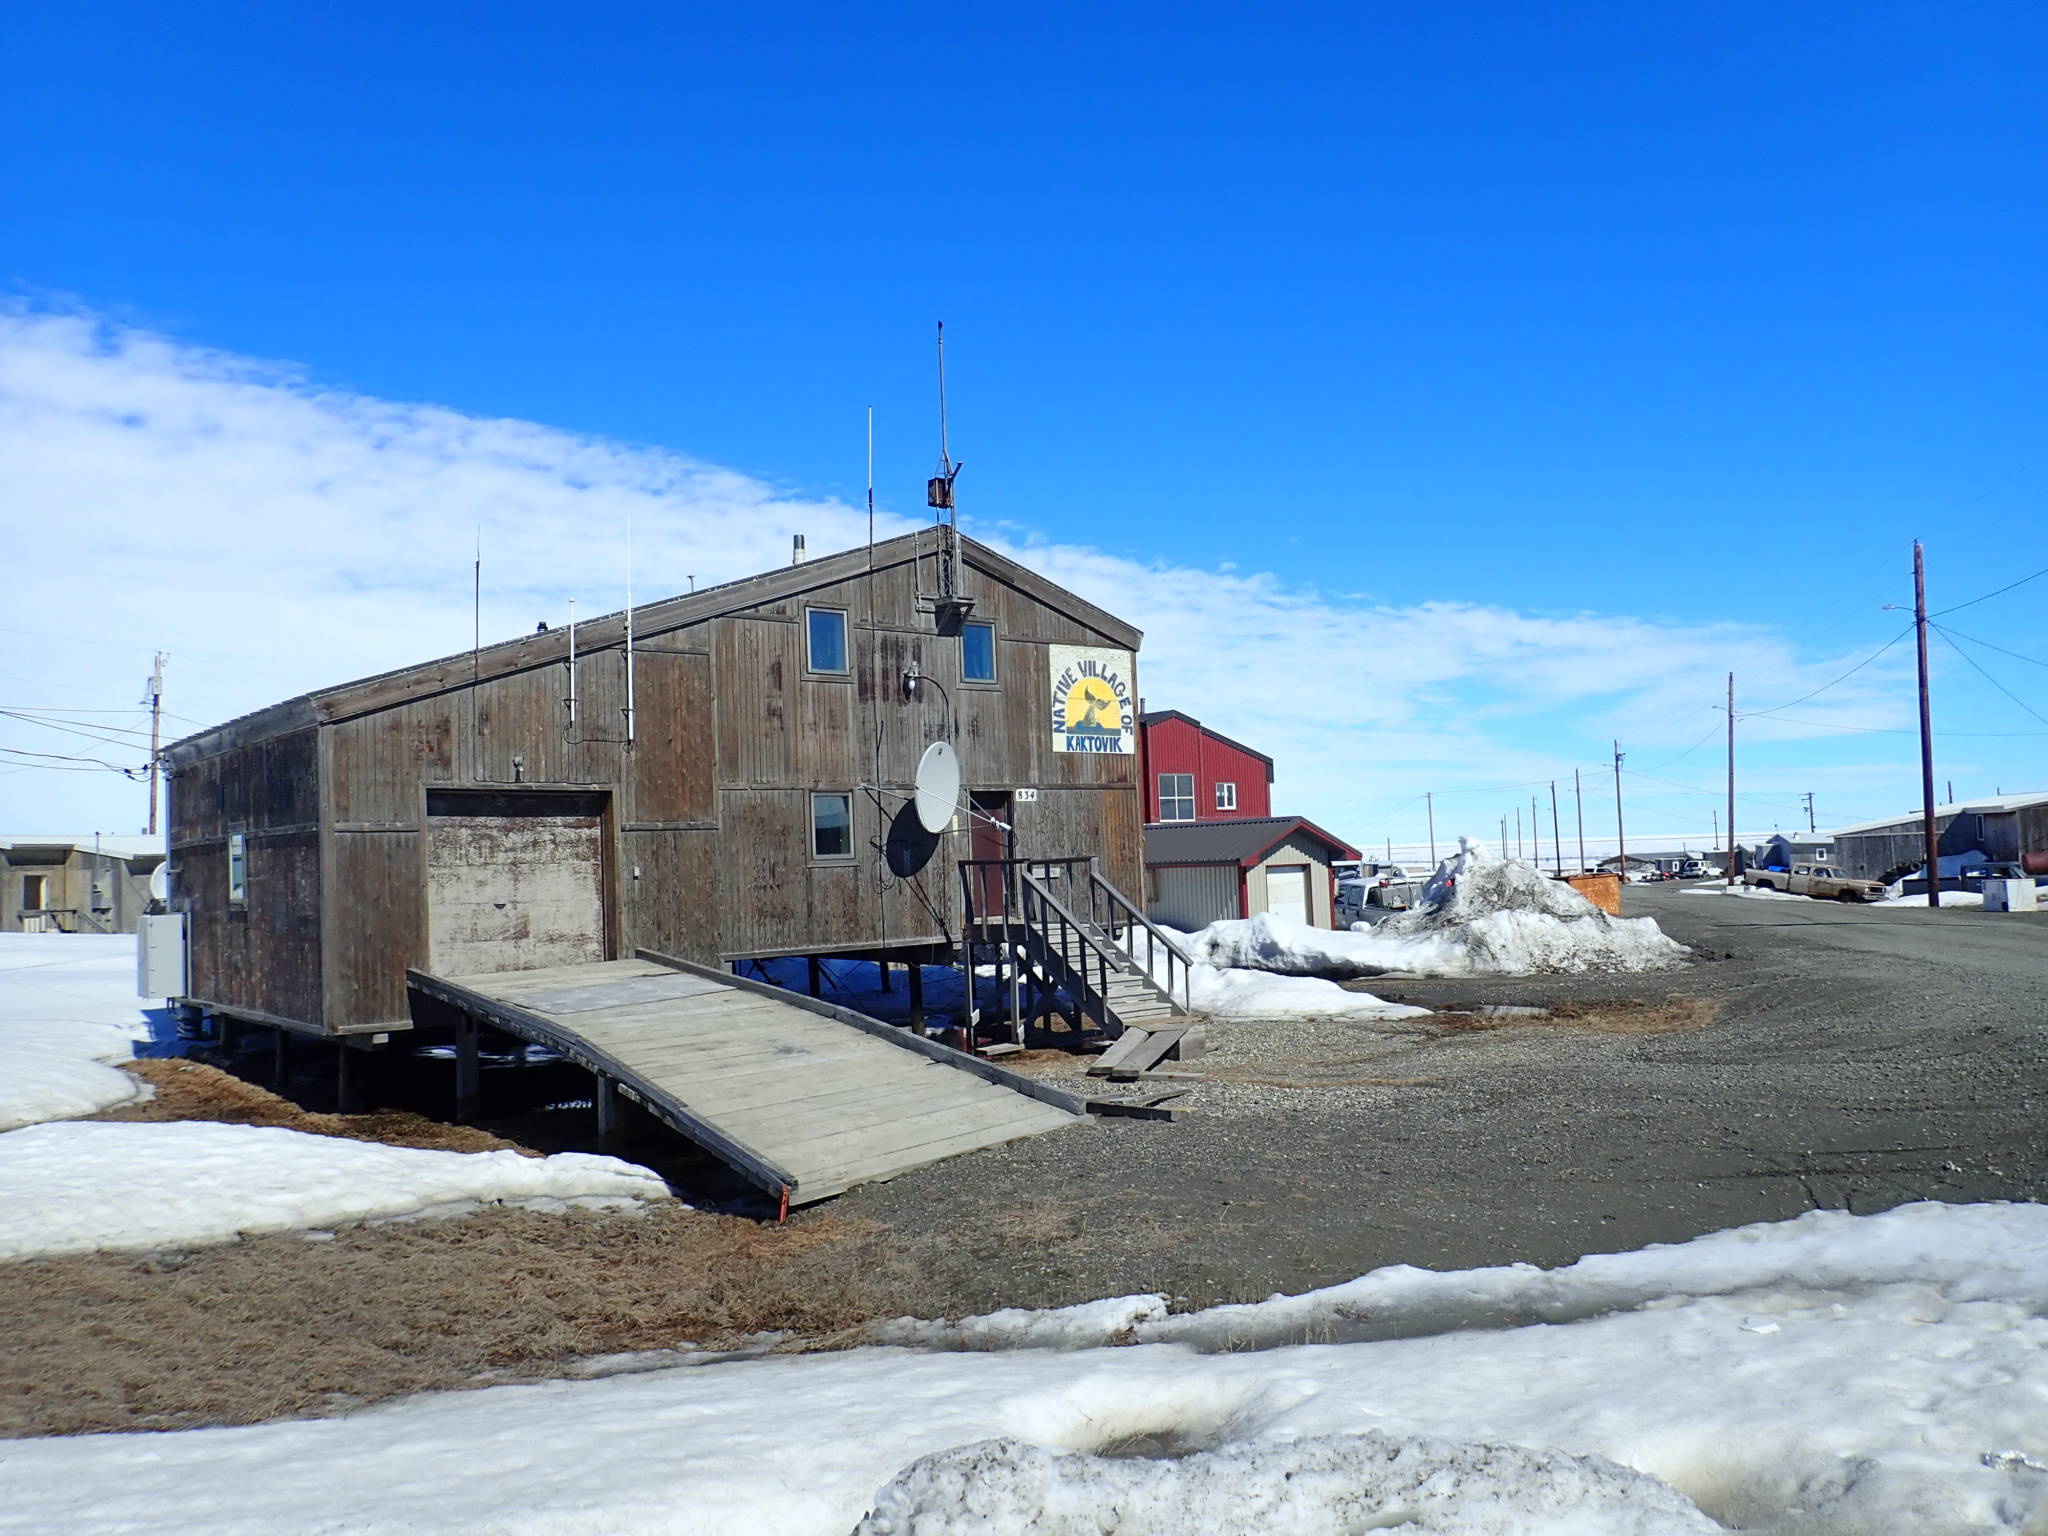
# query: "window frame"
[[1187, 799], [995, 671], [846, 796], [1221, 786], [811, 667], [238, 872]]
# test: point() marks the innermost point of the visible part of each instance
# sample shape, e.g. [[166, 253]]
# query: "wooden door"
[[515, 882], [985, 840]]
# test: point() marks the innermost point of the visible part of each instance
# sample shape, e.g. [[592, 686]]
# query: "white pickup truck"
[[1819, 881]]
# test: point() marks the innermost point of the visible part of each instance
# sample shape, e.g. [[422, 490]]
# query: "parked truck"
[[1823, 882]]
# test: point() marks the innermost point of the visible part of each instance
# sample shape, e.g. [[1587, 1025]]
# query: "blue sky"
[[1672, 323]]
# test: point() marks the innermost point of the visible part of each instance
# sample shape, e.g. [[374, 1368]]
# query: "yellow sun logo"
[[1092, 706]]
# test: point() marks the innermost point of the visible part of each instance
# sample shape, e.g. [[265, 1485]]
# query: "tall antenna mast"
[[628, 711], [572, 669], [155, 701], [939, 493], [476, 654]]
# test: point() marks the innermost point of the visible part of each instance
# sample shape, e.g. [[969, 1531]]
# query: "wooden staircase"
[[1067, 942]]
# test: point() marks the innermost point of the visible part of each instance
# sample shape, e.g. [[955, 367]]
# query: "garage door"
[[514, 881], [1287, 891]]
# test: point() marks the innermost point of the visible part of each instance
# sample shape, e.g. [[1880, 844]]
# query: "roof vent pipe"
[[796, 550]]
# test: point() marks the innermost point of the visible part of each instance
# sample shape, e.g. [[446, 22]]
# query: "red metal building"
[[1195, 774]]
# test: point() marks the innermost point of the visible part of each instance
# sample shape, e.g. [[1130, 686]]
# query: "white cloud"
[[275, 535]]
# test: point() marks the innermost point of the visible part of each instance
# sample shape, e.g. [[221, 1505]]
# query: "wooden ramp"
[[802, 1098]]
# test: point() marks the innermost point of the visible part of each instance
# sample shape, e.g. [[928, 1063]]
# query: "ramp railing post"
[[469, 1077], [608, 1138]]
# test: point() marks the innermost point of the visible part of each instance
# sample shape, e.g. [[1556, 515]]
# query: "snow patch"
[[1090, 1324], [1479, 916], [67, 1010], [75, 1187], [1349, 1483]]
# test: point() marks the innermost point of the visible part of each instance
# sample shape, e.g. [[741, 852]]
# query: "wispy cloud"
[[274, 534]]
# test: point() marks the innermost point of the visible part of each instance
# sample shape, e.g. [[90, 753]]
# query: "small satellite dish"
[[938, 787], [160, 882]]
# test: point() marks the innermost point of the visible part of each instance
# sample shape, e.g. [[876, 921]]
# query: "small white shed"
[[1197, 873]]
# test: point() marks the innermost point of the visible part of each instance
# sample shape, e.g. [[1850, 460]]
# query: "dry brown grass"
[[190, 1090], [281, 1325], [1616, 1016]]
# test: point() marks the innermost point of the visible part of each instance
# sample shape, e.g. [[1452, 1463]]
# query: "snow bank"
[[1831, 1376], [67, 1009], [1310, 1487], [1751, 892], [1948, 899], [1480, 916], [1092, 1323], [1224, 990], [76, 1187]]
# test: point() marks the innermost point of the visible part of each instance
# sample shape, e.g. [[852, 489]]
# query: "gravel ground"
[[1816, 1055]]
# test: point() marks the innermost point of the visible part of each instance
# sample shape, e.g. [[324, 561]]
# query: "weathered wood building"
[[734, 783]]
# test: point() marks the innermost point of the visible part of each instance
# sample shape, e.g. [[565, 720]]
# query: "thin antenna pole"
[[871, 482], [1579, 801], [1732, 859], [1535, 835], [629, 629], [1933, 838], [476, 654], [945, 448], [572, 667], [1518, 831], [1556, 837], [1429, 803]]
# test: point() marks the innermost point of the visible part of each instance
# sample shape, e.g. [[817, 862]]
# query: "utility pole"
[[1926, 731], [1429, 803], [1717, 831], [1535, 835], [1518, 831], [1579, 801], [1810, 827], [1556, 837], [1503, 837], [155, 700], [1733, 857], [1620, 833]]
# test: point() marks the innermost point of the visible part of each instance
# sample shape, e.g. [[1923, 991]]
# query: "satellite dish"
[[938, 787], [160, 882]]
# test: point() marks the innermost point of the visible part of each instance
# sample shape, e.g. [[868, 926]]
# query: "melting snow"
[[67, 1009], [1831, 1376]]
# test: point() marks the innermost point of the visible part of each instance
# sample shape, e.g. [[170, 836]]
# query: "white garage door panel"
[[1287, 891], [514, 893]]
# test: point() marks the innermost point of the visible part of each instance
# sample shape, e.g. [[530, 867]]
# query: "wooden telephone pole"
[[1620, 833], [1926, 732], [155, 701]]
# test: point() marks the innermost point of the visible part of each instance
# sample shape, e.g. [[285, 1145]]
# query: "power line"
[[1998, 592], [1824, 687], [2015, 655], [63, 758], [1899, 730], [1994, 682]]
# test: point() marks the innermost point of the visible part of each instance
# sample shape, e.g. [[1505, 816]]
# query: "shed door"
[[514, 881], [1287, 891]]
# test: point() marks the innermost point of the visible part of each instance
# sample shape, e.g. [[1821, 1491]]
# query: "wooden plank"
[[852, 1108], [583, 997], [832, 1146], [792, 1087], [827, 1182]]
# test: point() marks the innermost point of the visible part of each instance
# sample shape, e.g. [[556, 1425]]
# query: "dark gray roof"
[[1240, 841]]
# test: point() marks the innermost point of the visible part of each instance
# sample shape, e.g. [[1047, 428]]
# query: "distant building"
[[1662, 860], [1781, 850], [1198, 873], [2010, 829], [1195, 774], [67, 885]]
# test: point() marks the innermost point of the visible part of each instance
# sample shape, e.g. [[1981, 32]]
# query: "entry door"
[[1287, 891], [986, 841], [514, 881]]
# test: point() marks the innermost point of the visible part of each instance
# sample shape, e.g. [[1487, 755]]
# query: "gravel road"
[[1856, 1059]]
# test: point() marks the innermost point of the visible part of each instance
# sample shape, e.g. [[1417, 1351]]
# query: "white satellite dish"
[[938, 787], [160, 882]]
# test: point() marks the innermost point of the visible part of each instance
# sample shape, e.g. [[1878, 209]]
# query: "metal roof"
[[1991, 806], [1241, 841], [1154, 716]]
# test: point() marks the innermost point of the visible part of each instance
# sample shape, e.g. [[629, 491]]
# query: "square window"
[[1176, 797], [1226, 797], [825, 639], [978, 653], [831, 826]]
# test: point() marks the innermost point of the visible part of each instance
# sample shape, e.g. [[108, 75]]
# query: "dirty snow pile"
[[1749, 892], [73, 1187], [1222, 988], [1479, 916], [1948, 899], [67, 1009], [1833, 1375]]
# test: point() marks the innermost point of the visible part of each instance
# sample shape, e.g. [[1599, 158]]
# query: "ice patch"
[[74, 1187], [1313, 1487], [1078, 1327]]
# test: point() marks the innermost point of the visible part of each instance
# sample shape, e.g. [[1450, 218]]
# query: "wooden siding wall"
[[266, 957], [710, 822]]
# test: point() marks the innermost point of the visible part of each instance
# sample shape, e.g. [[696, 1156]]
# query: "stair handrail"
[[1104, 957], [1154, 935]]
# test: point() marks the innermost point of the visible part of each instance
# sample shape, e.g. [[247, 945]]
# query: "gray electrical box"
[[160, 956]]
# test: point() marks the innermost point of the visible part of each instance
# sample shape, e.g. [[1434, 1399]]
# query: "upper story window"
[[831, 826], [825, 648], [238, 870], [978, 653], [1176, 797], [1226, 796]]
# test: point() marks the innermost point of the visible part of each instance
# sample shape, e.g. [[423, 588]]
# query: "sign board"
[[1026, 796], [1094, 704]]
